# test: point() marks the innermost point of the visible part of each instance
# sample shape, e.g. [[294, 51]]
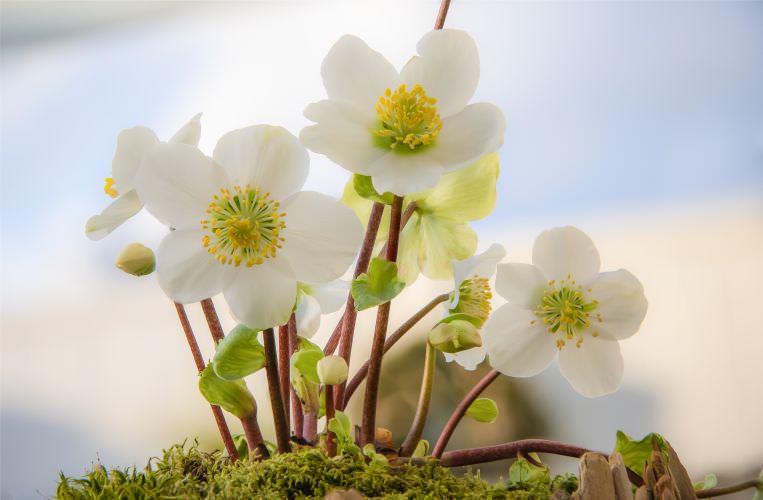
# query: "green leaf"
[[483, 410], [242, 447], [379, 285], [710, 481], [231, 395], [364, 186], [759, 489], [305, 361], [462, 317], [421, 449], [636, 453], [454, 336], [369, 450], [341, 426], [523, 474], [306, 345], [239, 354]]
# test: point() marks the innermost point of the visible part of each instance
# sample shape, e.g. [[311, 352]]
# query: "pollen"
[[408, 118], [567, 312], [108, 187], [474, 298], [244, 226]]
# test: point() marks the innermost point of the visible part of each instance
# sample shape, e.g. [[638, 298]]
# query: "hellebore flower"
[[132, 145], [241, 225], [562, 303], [403, 129]]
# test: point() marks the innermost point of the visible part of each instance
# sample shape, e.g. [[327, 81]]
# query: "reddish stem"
[[358, 378], [333, 342], [274, 388], [283, 369], [330, 436], [368, 427], [460, 411], [222, 426], [442, 14], [310, 427], [473, 456], [212, 320], [254, 435], [350, 313], [296, 406]]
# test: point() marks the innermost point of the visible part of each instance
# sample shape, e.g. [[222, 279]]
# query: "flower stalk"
[[728, 490], [254, 437], [222, 426], [330, 412], [350, 313], [296, 405], [422, 409], [283, 369], [391, 341], [274, 387], [368, 426], [471, 456], [443, 12], [460, 411]]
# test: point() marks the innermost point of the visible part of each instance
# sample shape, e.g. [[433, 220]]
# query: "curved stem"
[[728, 490], [442, 14], [392, 340], [217, 412], [333, 342], [471, 456], [460, 411], [274, 388], [422, 409], [368, 427], [350, 313]]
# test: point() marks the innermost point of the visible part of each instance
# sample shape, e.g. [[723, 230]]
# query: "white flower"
[[563, 303], [242, 226], [318, 299], [132, 145], [403, 129], [472, 296]]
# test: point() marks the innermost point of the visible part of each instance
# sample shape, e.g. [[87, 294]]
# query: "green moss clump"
[[187, 473]]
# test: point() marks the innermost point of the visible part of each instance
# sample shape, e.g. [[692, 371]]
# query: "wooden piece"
[[595, 478], [681, 477], [620, 477]]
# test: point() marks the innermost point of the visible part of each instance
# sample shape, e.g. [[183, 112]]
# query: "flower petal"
[[264, 156], [515, 346], [113, 215], [189, 133], [132, 144], [262, 296], [520, 284], [403, 173], [355, 73], [443, 242], [343, 134], [187, 272], [409, 249], [482, 265], [330, 296], [177, 182], [448, 68], [622, 304], [469, 135], [466, 194], [593, 369], [321, 237], [564, 251], [468, 359], [308, 316]]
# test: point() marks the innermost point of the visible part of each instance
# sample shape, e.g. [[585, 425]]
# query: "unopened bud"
[[136, 259], [332, 370], [455, 336]]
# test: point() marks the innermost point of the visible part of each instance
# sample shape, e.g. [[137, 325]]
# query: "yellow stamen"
[[408, 118], [108, 187]]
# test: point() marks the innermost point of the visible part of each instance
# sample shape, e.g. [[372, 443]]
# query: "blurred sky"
[[639, 122]]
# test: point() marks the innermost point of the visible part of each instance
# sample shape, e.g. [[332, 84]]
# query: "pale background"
[[641, 123]]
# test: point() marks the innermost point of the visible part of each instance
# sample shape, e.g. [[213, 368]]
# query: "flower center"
[[566, 311], [108, 187], [474, 298], [408, 118], [244, 226]]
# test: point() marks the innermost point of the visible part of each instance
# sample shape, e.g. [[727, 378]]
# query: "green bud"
[[136, 259], [455, 336], [231, 395], [332, 370]]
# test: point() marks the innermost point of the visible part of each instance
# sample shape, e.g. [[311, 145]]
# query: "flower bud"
[[455, 336], [136, 259], [332, 370]]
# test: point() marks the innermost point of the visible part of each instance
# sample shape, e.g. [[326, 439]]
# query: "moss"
[[185, 472]]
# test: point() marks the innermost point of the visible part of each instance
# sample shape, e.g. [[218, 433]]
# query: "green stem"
[[422, 410], [368, 427], [392, 340]]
